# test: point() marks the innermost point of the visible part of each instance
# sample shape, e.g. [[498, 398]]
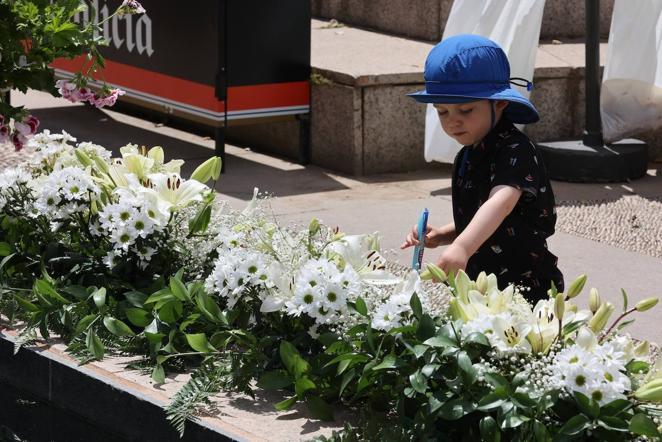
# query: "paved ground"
[[390, 203]]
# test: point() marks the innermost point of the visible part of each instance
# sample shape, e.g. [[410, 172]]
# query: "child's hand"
[[454, 258], [431, 240]]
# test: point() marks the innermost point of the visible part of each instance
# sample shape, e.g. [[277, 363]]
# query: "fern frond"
[[207, 380], [26, 337]]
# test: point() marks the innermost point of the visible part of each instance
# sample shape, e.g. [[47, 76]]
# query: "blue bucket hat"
[[466, 68]]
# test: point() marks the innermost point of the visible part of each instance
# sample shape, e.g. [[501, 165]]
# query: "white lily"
[[509, 334], [175, 190], [361, 252]]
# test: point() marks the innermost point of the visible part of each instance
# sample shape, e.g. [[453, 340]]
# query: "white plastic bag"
[[631, 96], [515, 26]]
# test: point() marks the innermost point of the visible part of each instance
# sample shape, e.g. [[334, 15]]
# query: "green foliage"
[[33, 35]]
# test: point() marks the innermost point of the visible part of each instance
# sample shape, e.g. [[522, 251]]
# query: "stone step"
[[426, 19], [362, 122]]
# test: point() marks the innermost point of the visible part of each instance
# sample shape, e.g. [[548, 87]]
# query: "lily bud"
[[438, 274], [559, 305], [594, 300], [481, 283], [205, 171], [642, 349], [586, 339], [313, 227], [156, 153], [456, 311], [646, 304], [576, 287], [650, 392], [569, 306], [599, 320], [82, 157]]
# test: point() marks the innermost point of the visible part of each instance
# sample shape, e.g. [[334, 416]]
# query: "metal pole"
[[222, 81], [593, 131]]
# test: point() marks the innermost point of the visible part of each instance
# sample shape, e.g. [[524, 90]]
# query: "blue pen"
[[417, 259]]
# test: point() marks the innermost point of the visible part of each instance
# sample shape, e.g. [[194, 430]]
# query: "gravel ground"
[[9, 157], [631, 222]]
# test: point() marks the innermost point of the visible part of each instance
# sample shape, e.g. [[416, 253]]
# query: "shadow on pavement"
[[241, 176]]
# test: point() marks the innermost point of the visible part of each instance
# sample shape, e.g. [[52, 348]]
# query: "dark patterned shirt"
[[517, 251]]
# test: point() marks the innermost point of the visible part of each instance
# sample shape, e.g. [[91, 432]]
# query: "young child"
[[503, 204]]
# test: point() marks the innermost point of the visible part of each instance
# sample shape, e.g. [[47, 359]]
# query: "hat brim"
[[520, 110]]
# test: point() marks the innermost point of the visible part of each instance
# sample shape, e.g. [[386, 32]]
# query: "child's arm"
[[434, 237], [491, 214]]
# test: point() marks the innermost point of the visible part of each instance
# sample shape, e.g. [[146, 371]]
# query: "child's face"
[[468, 123]]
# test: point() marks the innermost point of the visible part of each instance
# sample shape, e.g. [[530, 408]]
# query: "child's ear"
[[501, 104]]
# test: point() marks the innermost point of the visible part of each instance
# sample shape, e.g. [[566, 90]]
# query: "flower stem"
[[616, 322]]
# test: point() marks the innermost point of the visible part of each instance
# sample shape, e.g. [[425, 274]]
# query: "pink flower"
[[108, 100], [18, 139], [28, 126], [72, 92], [4, 131], [130, 7]]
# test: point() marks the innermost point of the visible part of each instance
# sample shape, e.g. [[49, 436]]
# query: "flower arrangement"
[[127, 254]]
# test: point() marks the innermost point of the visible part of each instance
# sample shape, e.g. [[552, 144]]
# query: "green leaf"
[[468, 370], [389, 361], [418, 382], [426, 328], [94, 344], [477, 338], [178, 289], [419, 350], [158, 374], [136, 299], [292, 360], [635, 367], [319, 408], [541, 432], [302, 385], [170, 312], [99, 297], [286, 404], [138, 316], [625, 300], [26, 305], [489, 431], [643, 425], [616, 407], [613, 423], [361, 307], [416, 306], [210, 309], [496, 380], [512, 419], [275, 380], [77, 291], [492, 400], [199, 342], [200, 221], [84, 324], [161, 295], [455, 409], [5, 249], [575, 425], [587, 405], [346, 379], [117, 327], [43, 287], [440, 341]]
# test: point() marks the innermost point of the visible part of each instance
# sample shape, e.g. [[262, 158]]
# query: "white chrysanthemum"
[[321, 291], [10, 179], [236, 270], [596, 370], [65, 192]]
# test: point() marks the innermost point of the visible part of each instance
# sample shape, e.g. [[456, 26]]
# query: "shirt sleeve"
[[516, 165]]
